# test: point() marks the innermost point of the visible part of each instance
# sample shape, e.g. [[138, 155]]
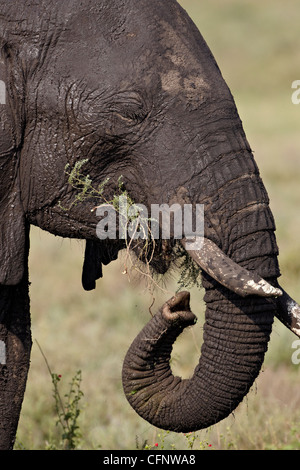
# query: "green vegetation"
[[189, 272], [131, 219], [255, 44], [129, 215], [67, 410], [83, 185]]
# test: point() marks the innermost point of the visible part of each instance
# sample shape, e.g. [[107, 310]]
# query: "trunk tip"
[[178, 307]]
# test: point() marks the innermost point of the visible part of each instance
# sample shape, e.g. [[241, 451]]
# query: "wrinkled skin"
[[132, 87]]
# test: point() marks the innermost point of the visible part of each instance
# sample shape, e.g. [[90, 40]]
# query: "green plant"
[[164, 440], [145, 245], [161, 442], [190, 273], [193, 442], [123, 204], [67, 409], [83, 185]]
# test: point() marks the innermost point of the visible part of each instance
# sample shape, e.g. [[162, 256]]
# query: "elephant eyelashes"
[[131, 115], [129, 107]]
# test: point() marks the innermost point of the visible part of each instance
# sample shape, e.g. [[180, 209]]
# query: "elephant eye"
[[129, 107], [130, 114]]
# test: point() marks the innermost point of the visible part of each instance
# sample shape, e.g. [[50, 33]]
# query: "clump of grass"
[[121, 201], [82, 184], [190, 272], [85, 190]]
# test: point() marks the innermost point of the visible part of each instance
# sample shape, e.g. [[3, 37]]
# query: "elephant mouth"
[[210, 259], [159, 255]]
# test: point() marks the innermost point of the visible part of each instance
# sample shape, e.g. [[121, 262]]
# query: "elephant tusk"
[[289, 313], [228, 273]]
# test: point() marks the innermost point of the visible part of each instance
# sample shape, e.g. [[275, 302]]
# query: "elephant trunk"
[[235, 340], [239, 266], [239, 245]]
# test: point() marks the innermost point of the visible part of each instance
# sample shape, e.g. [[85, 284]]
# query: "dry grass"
[[255, 44]]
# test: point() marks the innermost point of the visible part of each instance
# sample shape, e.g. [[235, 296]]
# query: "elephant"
[[132, 88]]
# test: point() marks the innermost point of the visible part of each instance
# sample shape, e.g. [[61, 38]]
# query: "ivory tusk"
[[228, 273], [289, 313]]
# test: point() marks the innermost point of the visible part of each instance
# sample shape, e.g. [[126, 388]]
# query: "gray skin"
[[131, 86]]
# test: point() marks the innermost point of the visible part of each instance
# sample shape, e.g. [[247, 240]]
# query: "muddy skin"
[[132, 87]]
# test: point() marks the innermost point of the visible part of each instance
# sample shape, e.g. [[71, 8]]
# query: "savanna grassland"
[[257, 46]]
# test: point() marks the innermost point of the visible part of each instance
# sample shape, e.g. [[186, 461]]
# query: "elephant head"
[[132, 88]]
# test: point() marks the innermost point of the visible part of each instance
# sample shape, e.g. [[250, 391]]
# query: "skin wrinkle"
[[248, 221], [170, 382], [189, 140], [209, 162]]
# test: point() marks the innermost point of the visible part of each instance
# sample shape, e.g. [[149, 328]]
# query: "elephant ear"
[[12, 217]]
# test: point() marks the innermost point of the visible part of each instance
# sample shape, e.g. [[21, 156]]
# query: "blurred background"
[[256, 45]]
